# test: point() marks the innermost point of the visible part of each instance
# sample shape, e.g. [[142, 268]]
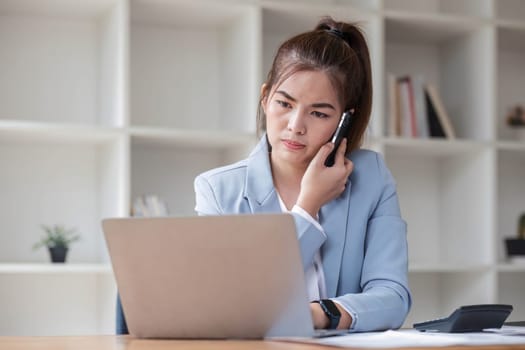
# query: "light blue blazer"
[[365, 253]]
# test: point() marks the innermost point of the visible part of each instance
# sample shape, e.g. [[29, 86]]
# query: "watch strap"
[[331, 311]]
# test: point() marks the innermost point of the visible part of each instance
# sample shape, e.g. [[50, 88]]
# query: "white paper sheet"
[[508, 330], [414, 338]]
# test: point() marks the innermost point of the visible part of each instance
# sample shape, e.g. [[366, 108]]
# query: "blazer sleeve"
[[385, 298], [205, 201]]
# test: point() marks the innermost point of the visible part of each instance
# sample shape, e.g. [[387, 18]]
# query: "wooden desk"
[[110, 342]]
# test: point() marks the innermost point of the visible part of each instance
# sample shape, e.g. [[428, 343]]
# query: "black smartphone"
[[337, 137]]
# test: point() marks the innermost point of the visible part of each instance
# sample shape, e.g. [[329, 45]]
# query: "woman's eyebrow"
[[315, 105], [323, 105], [285, 94]]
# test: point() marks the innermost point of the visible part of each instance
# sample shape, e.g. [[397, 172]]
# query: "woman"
[[351, 234]]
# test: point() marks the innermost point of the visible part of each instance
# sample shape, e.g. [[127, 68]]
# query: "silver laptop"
[[238, 276]]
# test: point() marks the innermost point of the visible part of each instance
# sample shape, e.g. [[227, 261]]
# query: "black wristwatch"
[[331, 311]]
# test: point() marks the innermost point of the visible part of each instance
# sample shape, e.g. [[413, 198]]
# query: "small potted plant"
[[57, 239], [516, 246], [516, 121]]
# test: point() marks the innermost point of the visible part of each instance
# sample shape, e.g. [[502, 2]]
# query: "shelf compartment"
[[52, 304], [168, 171], [465, 8], [443, 200], [511, 39], [511, 196], [431, 29], [456, 56], [510, 10], [511, 75], [281, 21], [437, 294], [511, 285], [61, 62], [74, 184], [194, 65]]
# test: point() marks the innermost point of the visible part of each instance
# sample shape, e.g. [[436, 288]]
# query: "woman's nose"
[[296, 123]]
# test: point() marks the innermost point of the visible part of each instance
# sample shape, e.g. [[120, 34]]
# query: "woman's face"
[[301, 116]]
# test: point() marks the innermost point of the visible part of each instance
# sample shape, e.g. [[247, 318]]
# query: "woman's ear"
[[264, 96]]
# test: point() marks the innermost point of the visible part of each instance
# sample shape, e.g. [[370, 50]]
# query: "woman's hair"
[[340, 50]]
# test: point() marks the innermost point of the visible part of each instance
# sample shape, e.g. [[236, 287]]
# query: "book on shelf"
[[434, 125], [420, 106], [407, 107], [441, 111], [415, 109], [394, 122]]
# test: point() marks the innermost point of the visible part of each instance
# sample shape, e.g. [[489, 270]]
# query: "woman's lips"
[[293, 145]]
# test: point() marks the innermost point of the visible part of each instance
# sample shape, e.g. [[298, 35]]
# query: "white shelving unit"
[[104, 100]]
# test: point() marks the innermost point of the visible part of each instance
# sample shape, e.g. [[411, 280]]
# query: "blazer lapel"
[[259, 189], [332, 250]]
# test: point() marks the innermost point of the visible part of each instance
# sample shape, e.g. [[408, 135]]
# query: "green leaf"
[[57, 236]]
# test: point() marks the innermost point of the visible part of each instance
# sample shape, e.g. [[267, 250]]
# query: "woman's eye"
[[283, 104], [319, 114]]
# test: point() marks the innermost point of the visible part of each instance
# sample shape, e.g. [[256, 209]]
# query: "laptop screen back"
[[236, 276]]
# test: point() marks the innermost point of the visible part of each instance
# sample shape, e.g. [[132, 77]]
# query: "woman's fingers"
[[323, 153], [340, 155]]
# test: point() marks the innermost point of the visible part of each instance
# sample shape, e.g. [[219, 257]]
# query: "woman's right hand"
[[321, 184]]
